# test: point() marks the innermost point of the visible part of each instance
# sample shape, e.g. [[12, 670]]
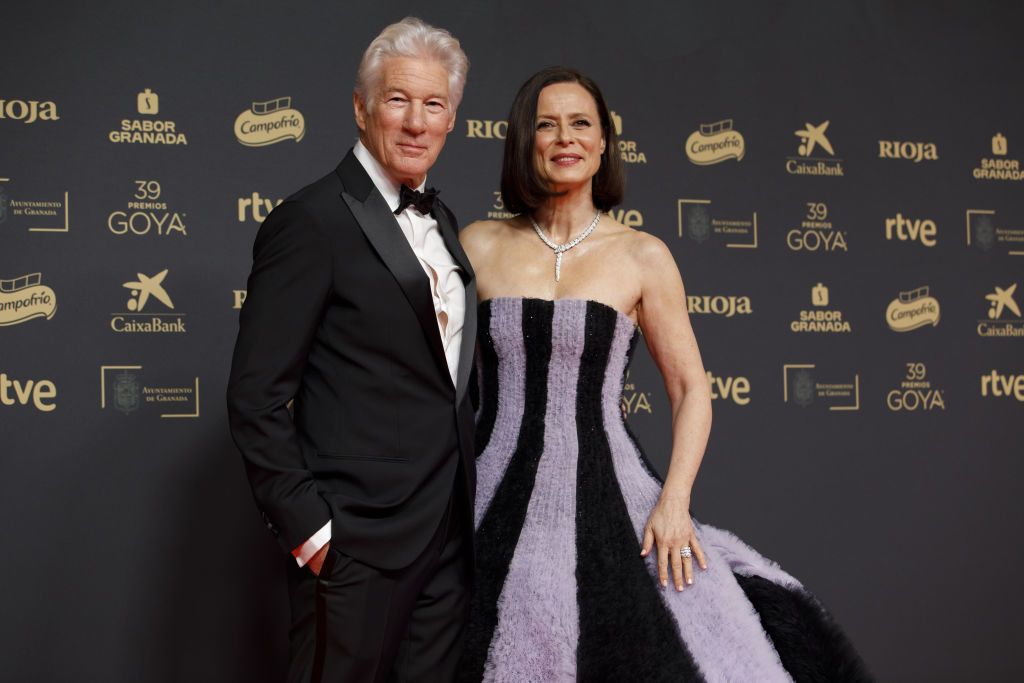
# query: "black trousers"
[[355, 623]]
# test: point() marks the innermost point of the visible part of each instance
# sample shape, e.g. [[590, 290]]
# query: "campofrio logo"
[[25, 298], [912, 309], [713, 143], [270, 122]]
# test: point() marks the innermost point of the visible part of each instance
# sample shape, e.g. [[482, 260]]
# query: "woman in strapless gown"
[[589, 566]]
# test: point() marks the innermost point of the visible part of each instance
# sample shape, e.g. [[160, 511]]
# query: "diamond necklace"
[[560, 249]]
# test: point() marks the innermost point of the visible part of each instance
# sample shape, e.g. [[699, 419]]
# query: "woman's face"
[[568, 141]]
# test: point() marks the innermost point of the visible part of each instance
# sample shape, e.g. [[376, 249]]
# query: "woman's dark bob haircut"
[[522, 188]]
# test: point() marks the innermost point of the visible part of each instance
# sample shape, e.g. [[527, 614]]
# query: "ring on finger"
[[686, 552]]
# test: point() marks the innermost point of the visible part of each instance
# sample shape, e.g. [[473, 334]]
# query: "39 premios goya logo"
[[987, 231], [148, 130], [269, 122], [633, 399], [823, 318], [1003, 318], [806, 384], [145, 293], [699, 223], [713, 143], [915, 392], [24, 208], [127, 389], [25, 298], [913, 309], [147, 214], [815, 154], [816, 232]]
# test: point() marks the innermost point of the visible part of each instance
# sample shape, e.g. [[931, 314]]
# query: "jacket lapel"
[[451, 240], [384, 234]]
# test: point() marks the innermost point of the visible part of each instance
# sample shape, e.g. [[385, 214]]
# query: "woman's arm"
[[666, 326]]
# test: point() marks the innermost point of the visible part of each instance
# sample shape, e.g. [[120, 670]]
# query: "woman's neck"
[[564, 217]]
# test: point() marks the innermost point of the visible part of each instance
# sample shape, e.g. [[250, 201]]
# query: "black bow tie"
[[422, 201]]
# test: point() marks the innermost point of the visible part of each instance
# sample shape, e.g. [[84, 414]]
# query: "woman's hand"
[[669, 526]]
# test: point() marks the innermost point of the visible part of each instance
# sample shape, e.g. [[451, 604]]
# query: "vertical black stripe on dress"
[[626, 631], [488, 378], [498, 534]]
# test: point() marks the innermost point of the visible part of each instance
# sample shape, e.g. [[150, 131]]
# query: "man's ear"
[[359, 108], [451, 123]]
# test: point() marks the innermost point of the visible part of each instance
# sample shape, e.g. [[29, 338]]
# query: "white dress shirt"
[[446, 289]]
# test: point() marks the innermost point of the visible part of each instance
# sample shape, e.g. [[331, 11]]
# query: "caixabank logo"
[[23, 208], [148, 290], [269, 122], [815, 154], [912, 310], [126, 389], [147, 214], [988, 232], [25, 298], [713, 143], [816, 233], [34, 394], [806, 384], [148, 130], [915, 392], [1003, 318], [28, 111], [699, 223]]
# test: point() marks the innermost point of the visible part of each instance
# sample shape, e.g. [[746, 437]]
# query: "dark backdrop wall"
[[840, 184]]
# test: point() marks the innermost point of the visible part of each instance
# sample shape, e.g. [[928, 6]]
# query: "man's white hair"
[[414, 38]]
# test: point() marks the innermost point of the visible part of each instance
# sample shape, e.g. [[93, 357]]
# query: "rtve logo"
[[999, 385], [904, 229], [256, 207], [735, 389], [38, 392]]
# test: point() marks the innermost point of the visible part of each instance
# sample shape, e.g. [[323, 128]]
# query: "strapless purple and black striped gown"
[[563, 494]]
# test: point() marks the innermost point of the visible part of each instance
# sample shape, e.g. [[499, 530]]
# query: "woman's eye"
[[582, 123], [544, 124]]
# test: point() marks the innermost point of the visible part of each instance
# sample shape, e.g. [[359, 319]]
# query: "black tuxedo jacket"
[[339, 317]]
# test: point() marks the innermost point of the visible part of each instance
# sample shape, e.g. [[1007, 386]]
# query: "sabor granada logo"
[[269, 122], [912, 309], [24, 298]]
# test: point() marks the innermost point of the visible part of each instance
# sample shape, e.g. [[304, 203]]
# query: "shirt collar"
[[387, 187]]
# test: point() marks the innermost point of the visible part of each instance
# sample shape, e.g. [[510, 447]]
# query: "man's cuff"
[[312, 546]]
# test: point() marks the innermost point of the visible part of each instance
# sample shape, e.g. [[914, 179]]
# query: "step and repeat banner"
[[840, 184]]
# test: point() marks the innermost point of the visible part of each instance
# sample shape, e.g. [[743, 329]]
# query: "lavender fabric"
[[541, 584], [538, 628]]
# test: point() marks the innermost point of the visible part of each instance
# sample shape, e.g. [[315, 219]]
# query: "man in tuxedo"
[[361, 307]]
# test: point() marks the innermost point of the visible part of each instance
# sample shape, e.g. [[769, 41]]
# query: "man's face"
[[410, 117]]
